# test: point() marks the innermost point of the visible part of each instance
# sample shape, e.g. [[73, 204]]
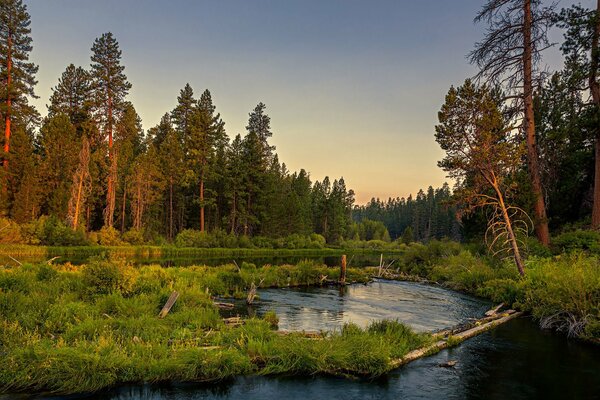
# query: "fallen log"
[[306, 334], [227, 306], [169, 304], [454, 339], [233, 321]]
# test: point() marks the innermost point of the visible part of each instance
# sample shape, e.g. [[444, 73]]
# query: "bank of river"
[[514, 361]]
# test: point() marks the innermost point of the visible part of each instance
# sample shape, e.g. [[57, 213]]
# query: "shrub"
[[578, 240], [10, 232], [104, 277], [263, 242], [51, 231], [134, 236], [194, 238], [317, 241], [109, 236]]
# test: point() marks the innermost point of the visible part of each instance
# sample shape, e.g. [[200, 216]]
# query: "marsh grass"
[[69, 329]]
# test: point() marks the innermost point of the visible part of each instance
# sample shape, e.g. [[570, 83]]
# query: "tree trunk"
[[78, 203], [171, 208], [111, 182], [233, 213], [202, 203], [123, 202], [595, 90], [7, 115], [511, 234], [541, 221]]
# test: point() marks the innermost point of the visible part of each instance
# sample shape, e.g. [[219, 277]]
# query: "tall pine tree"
[[110, 88], [17, 76]]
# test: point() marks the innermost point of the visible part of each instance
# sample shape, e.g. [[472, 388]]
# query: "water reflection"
[[423, 307], [515, 361]]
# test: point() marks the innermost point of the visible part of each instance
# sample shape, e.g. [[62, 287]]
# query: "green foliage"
[[107, 236], [134, 236], [578, 240], [562, 292], [104, 277], [68, 329], [51, 231], [10, 232]]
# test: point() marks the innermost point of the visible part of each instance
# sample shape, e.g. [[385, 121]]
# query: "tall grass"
[[68, 329], [562, 291]]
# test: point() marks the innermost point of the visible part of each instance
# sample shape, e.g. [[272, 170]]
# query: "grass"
[[69, 329], [561, 291]]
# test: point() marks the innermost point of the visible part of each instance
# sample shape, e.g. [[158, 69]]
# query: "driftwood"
[[49, 262], [233, 321], [226, 306], [306, 334], [457, 335], [169, 304]]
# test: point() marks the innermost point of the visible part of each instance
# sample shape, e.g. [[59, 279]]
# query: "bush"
[[134, 236], [194, 238], [263, 242], [107, 236], [50, 231], [317, 241], [578, 240], [104, 277], [10, 232]]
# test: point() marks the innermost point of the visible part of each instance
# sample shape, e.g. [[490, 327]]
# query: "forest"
[[187, 253], [88, 173]]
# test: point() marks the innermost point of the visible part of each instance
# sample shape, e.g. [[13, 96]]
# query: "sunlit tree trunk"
[[541, 221], [7, 114], [595, 90]]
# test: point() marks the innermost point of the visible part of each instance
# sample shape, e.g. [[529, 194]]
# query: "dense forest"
[[430, 215], [88, 166]]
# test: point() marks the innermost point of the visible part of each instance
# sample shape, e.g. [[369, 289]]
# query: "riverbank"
[[69, 329], [562, 292]]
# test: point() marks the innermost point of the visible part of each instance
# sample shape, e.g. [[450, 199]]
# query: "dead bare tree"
[[510, 55], [81, 187]]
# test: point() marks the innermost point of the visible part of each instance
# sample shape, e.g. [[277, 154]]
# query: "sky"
[[352, 87]]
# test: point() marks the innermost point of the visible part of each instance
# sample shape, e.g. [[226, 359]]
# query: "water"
[[423, 307], [514, 361]]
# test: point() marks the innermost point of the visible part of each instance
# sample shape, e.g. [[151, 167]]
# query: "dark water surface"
[[514, 361]]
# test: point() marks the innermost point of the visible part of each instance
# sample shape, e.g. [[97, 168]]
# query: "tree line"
[[429, 215], [90, 164]]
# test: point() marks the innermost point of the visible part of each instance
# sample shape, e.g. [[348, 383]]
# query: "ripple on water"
[[423, 307]]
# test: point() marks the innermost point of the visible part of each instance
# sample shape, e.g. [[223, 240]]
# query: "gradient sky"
[[352, 87]]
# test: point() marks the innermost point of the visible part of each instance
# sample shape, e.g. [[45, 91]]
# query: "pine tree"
[[110, 88], [582, 51], [260, 123], [509, 55], [59, 148], [17, 76], [128, 145], [81, 186], [234, 184], [171, 160], [72, 96], [182, 114]]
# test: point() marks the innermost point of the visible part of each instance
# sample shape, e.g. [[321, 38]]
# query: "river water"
[[515, 361]]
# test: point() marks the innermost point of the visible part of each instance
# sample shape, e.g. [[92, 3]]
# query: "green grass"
[[562, 291], [69, 329]]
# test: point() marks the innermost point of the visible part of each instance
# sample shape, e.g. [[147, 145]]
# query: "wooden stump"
[[343, 271]]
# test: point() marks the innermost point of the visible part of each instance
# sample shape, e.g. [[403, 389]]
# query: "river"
[[514, 361]]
